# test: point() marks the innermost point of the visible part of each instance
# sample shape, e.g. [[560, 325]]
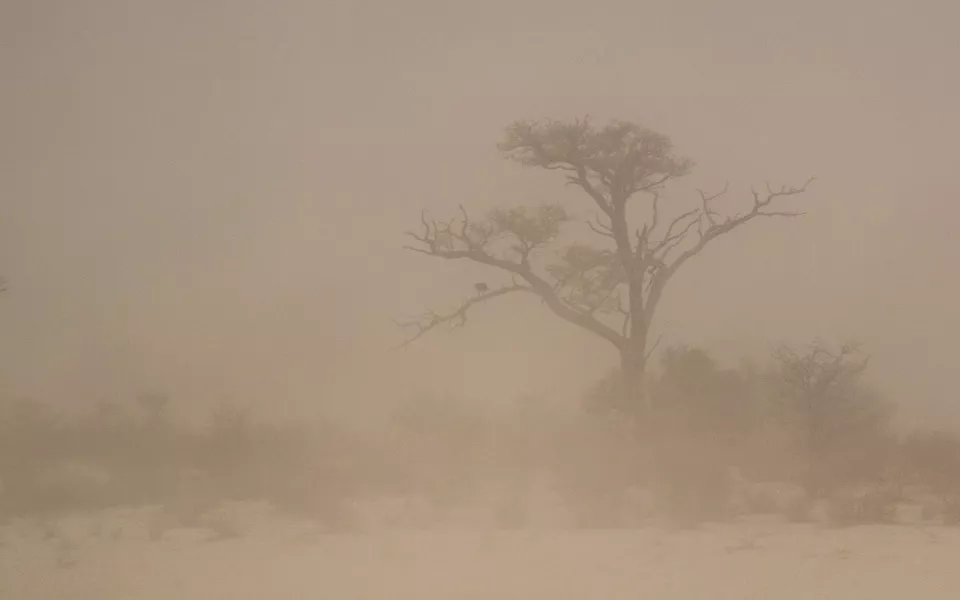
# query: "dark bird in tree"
[[481, 288]]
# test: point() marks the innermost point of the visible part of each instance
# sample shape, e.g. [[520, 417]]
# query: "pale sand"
[[762, 561]]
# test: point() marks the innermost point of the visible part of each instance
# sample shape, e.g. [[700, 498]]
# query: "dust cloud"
[[203, 215]]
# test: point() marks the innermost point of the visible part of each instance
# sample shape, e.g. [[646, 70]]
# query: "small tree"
[[839, 423], [932, 458], [611, 282]]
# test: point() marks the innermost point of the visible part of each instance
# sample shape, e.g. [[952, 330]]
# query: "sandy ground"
[[732, 561]]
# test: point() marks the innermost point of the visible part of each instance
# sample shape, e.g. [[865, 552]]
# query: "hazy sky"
[[208, 198]]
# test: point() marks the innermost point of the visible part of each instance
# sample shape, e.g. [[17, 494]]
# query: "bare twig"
[[653, 348], [582, 179], [671, 238], [596, 306], [759, 210], [428, 244], [714, 230], [600, 228], [458, 318], [705, 201], [655, 219], [626, 315]]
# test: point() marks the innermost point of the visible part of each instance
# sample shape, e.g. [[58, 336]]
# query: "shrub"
[[951, 510], [863, 506], [694, 490], [223, 522]]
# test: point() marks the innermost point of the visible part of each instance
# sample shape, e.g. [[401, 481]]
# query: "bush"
[[865, 505], [223, 522], [951, 510], [108, 457], [932, 459], [783, 498], [692, 486]]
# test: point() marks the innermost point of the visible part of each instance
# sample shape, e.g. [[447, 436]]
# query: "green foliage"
[[622, 157], [588, 277], [530, 227], [696, 395], [691, 393]]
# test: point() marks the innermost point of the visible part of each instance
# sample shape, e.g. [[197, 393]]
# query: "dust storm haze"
[[204, 205]]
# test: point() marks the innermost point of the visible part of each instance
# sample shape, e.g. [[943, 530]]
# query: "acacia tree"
[[839, 422], [611, 282]]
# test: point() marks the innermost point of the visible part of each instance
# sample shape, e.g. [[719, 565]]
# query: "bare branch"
[[522, 270], [602, 301], [759, 206], [655, 220], [653, 348], [671, 238], [705, 200], [713, 231], [581, 179], [653, 185], [600, 228], [456, 319], [626, 315], [816, 371], [463, 229]]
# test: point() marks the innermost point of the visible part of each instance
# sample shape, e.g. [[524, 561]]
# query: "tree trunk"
[[633, 356], [633, 370]]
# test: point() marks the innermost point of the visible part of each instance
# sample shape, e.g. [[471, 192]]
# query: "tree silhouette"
[[836, 418], [610, 283]]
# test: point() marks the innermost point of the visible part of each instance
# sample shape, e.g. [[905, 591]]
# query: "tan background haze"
[[207, 198]]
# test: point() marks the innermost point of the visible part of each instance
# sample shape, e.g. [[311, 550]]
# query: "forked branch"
[[455, 319], [478, 242], [716, 228]]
